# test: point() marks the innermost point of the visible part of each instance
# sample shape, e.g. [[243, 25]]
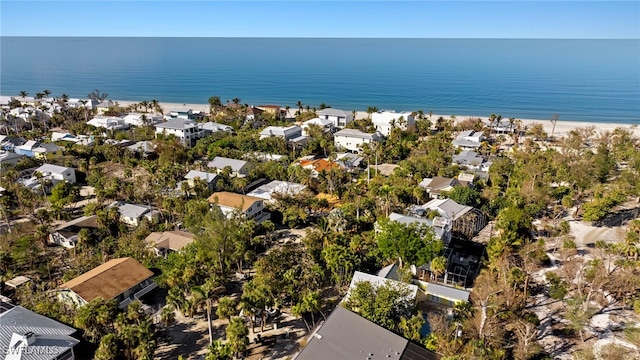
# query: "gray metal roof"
[[354, 133], [448, 208], [447, 292], [177, 124], [379, 281], [205, 176], [54, 169], [346, 335], [131, 211], [222, 162], [52, 337], [334, 112], [406, 219], [266, 191]]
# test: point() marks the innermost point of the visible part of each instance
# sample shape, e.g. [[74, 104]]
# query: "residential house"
[[123, 279], [441, 227], [239, 168], [212, 127], [347, 335], [253, 113], [67, 234], [464, 219], [9, 143], [184, 113], [444, 295], [339, 118], [275, 110], [350, 162], [377, 281], [131, 214], [38, 150], [277, 188], [57, 174], [326, 125], [169, 241], [438, 186], [187, 131], [8, 159], [286, 133], [352, 139], [251, 207], [385, 120], [25, 100], [145, 148], [264, 157], [472, 160], [318, 166], [110, 123], [103, 107], [208, 178], [26, 335], [469, 139], [138, 119]]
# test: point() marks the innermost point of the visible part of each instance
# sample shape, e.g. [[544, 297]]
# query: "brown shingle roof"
[[173, 240], [229, 199], [109, 279]]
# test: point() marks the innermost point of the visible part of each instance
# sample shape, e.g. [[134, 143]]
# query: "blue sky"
[[414, 19]]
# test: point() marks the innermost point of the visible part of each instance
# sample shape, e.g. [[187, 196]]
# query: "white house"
[[249, 206], [464, 219], [377, 281], [352, 139], [8, 159], [57, 173], [211, 127], [385, 120], [123, 279], [137, 119], [441, 227], [109, 123], [469, 139], [187, 131], [339, 118], [286, 133], [277, 187], [67, 234], [325, 124], [185, 114], [472, 160], [239, 168], [131, 214], [104, 106], [208, 178]]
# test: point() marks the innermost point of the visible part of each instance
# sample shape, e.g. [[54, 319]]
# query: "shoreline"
[[563, 127]]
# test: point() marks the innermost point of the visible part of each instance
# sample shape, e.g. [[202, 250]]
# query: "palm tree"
[[236, 100], [227, 308], [438, 267], [46, 92], [23, 94], [206, 293], [299, 104]]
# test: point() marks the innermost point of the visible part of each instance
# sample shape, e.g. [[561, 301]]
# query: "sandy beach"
[[561, 129]]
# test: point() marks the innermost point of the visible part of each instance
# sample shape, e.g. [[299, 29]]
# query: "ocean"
[[581, 80]]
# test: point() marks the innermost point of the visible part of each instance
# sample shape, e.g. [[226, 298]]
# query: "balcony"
[[145, 290]]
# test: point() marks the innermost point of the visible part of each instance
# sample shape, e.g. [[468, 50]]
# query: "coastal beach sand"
[[562, 127]]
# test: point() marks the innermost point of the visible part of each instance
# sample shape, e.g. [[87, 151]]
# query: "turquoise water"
[[588, 80]]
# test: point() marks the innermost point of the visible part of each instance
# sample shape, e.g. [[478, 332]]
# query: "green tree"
[[206, 294], [410, 243], [95, 319], [237, 336], [227, 308], [465, 195]]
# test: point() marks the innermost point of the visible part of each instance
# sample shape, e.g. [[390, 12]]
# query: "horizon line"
[[308, 37]]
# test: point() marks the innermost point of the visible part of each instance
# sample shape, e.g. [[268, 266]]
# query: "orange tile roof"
[[109, 279], [233, 200], [319, 165]]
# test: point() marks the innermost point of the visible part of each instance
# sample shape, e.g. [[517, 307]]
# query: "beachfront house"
[[111, 123], [239, 168], [186, 131], [469, 139], [26, 335], [277, 188], [123, 279], [286, 133], [166, 242], [386, 120], [181, 113], [102, 107], [67, 233], [138, 119], [352, 139], [339, 118], [249, 206]]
